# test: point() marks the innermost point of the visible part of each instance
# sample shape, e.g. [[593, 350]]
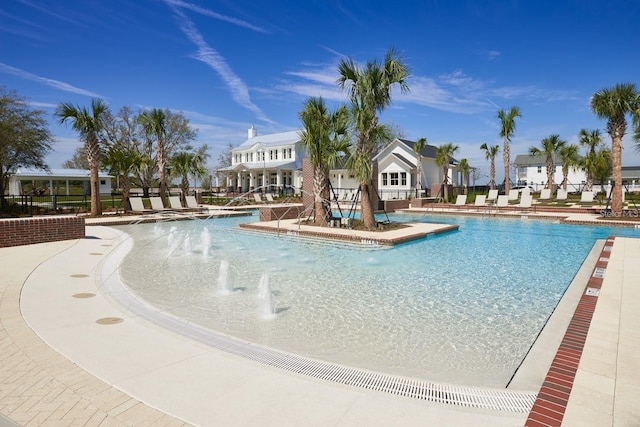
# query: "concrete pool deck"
[[116, 373]]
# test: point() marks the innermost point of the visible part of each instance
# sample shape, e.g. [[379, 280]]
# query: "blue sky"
[[231, 64]]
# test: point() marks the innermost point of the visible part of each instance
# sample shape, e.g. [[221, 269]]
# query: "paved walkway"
[[53, 286]]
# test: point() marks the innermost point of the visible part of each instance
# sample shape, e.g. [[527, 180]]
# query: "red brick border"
[[549, 407], [27, 231]]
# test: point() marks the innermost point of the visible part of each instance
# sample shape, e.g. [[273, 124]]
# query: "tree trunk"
[[507, 159], [550, 170], [322, 208], [161, 169], [492, 174], [366, 208], [445, 188], [93, 158], [126, 188], [616, 191], [185, 190]]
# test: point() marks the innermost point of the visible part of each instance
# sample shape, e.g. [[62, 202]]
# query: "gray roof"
[[26, 173], [631, 172], [284, 164], [427, 151], [529, 160], [403, 159], [271, 140]]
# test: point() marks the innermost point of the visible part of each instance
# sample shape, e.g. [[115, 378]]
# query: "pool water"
[[462, 307]]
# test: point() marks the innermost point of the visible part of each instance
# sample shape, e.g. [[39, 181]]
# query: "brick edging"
[[551, 403]]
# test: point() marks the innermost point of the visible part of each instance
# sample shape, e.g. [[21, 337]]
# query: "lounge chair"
[[257, 198], [525, 201], [157, 205], [493, 196], [526, 190], [176, 204], [269, 198], [137, 206], [503, 201], [586, 197], [461, 200], [192, 203], [481, 201], [513, 195], [545, 194], [561, 194]]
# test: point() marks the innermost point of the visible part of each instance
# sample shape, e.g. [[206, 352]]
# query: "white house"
[[397, 169], [273, 161], [51, 181], [532, 171]]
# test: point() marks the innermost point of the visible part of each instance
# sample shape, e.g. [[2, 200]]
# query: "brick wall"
[[27, 231], [268, 213]]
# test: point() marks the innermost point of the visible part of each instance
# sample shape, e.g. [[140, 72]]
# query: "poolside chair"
[[561, 194], [176, 204], [545, 194], [192, 203], [513, 195], [525, 202], [137, 206], [257, 198], [503, 201], [481, 201], [269, 198], [157, 205], [586, 197], [526, 190], [461, 200], [493, 196]]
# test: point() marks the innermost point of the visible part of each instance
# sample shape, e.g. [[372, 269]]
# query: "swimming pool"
[[462, 308]]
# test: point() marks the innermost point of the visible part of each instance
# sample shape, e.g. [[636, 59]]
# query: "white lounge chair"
[[586, 197], [503, 201], [176, 204], [257, 198], [545, 194], [137, 206], [561, 194], [493, 196], [192, 203], [269, 198], [461, 200], [513, 195], [157, 205], [525, 201], [481, 201]]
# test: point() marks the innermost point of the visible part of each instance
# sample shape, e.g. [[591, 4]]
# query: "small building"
[[397, 170], [272, 162], [55, 181], [532, 171]]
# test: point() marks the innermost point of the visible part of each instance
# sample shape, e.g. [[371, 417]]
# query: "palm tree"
[[613, 104], [324, 136], [154, 123], [186, 164], [570, 159], [507, 129], [417, 148], [591, 140], [550, 147], [444, 153], [90, 125], [122, 163], [369, 91], [464, 168], [490, 153], [602, 166]]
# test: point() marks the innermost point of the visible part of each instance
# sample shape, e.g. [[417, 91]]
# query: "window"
[[103, 182], [394, 178], [403, 178], [539, 169], [289, 153], [275, 155], [270, 154], [384, 179]]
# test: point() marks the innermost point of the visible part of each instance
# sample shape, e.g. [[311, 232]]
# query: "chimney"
[[253, 132]]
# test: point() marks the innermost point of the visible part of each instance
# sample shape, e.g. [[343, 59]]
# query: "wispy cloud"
[[42, 104], [56, 84], [208, 55], [215, 15]]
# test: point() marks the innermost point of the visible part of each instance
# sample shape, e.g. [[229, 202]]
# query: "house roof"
[[529, 160], [403, 160], [631, 172], [427, 150], [270, 140], [32, 173], [284, 164]]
